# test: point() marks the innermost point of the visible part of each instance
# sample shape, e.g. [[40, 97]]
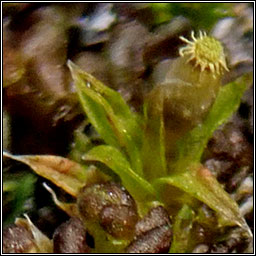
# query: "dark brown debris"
[[70, 237], [95, 64], [231, 144], [165, 41], [125, 51]]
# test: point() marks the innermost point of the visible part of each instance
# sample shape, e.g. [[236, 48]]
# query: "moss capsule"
[[189, 87], [206, 51]]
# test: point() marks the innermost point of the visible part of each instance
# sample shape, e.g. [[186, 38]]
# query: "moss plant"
[[157, 154]]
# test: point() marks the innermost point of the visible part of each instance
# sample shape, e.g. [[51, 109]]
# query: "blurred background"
[[127, 46]]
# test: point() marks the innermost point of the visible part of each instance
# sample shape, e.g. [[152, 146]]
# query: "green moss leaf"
[[201, 184], [186, 172], [110, 115], [201, 15], [140, 189], [182, 230], [153, 149], [20, 191], [103, 242]]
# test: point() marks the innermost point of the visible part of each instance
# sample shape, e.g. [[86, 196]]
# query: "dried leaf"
[[63, 172], [69, 208], [43, 243]]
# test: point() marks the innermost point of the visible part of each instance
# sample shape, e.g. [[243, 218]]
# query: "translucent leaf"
[[191, 146], [139, 188], [103, 242], [182, 228], [43, 243], [63, 172], [69, 208], [109, 114], [201, 184], [154, 146]]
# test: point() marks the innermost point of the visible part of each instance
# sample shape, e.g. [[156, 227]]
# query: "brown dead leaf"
[[63, 172]]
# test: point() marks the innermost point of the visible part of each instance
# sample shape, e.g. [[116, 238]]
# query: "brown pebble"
[[16, 239], [93, 198], [157, 240], [156, 217], [153, 234]]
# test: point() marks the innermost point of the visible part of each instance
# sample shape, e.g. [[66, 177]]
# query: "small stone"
[[16, 239], [153, 234], [201, 248], [70, 237], [157, 240]]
